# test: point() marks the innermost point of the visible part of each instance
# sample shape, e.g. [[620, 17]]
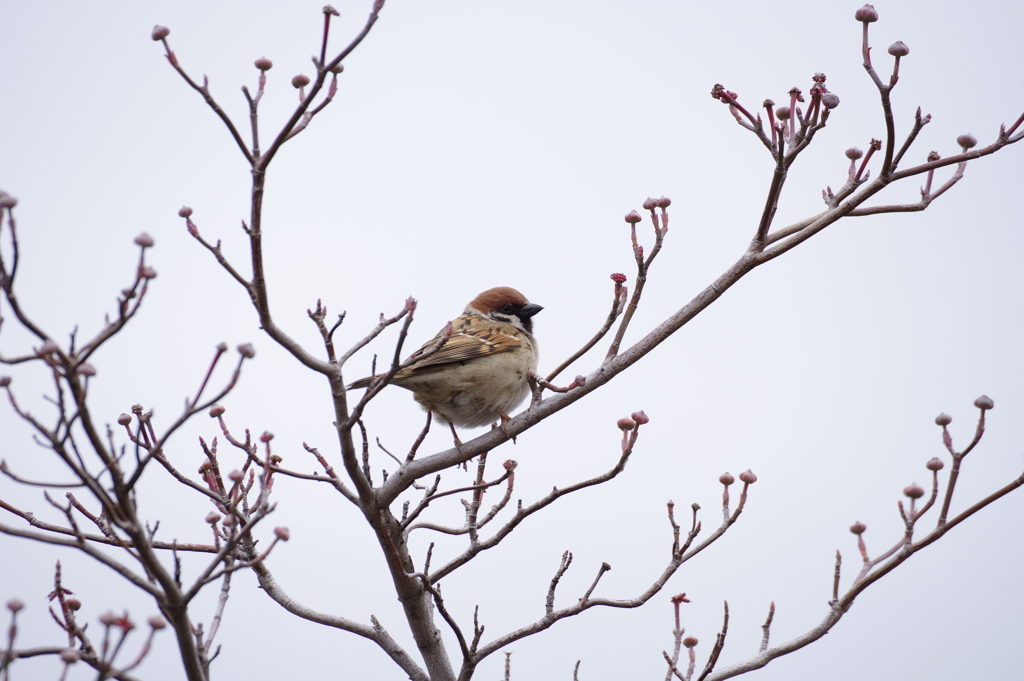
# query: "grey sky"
[[479, 144]]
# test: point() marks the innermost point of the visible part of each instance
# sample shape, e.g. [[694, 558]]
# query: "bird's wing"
[[469, 340]]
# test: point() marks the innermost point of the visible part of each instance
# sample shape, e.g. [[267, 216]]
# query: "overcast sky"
[[477, 144]]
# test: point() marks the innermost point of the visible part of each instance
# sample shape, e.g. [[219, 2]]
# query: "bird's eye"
[[506, 308]]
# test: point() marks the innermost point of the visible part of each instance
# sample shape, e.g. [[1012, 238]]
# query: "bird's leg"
[[458, 442], [505, 418]]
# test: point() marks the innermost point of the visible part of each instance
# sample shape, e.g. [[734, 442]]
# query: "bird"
[[482, 372]]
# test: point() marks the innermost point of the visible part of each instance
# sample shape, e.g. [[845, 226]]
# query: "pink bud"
[[618, 277], [967, 140], [14, 605], [264, 64], [867, 14], [640, 417], [73, 603], [5, 381], [147, 272], [934, 464], [633, 217], [230, 521], [984, 402], [689, 642], [184, 212], [108, 618], [580, 381], [768, 103], [330, 10], [144, 240], [87, 369], [914, 491], [282, 533], [830, 100], [213, 517], [664, 202], [748, 477], [124, 420], [650, 203], [300, 81], [70, 656], [160, 32], [726, 479], [246, 350], [509, 465], [782, 113], [853, 153], [337, 69], [7, 201], [48, 347], [216, 410], [625, 424], [934, 156], [236, 475], [858, 527], [157, 622], [899, 49], [266, 437]]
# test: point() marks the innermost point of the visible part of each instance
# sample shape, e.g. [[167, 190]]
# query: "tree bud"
[[147, 272], [618, 277], [14, 605], [858, 527], [48, 347], [108, 618], [5, 381], [853, 153], [87, 369], [625, 424], [748, 477], [73, 603], [934, 464], [266, 437], [650, 203], [664, 202], [160, 32], [216, 410], [782, 113], [337, 69], [633, 217], [300, 81], [726, 479], [830, 100], [157, 622], [867, 14], [640, 417], [70, 656], [967, 140], [914, 491], [213, 517], [689, 642], [144, 240], [899, 49], [7, 201], [124, 420], [984, 402], [264, 64], [282, 533], [184, 212], [246, 350], [933, 156]]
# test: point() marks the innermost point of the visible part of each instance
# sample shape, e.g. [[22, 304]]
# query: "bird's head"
[[505, 304]]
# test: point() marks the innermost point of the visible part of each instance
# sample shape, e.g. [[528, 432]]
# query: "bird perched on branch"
[[482, 371]]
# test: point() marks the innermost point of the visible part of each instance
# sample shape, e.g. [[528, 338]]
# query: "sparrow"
[[482, 372]]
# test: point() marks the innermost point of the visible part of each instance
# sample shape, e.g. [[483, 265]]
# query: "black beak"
[[528, 310]]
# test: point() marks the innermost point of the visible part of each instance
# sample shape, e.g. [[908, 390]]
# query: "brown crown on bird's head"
[[505, 301]]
